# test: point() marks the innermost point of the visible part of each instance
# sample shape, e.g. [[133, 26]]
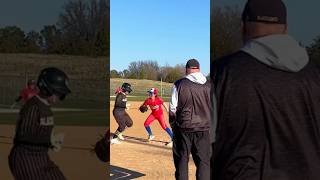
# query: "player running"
[[29, 158], [155, 103], [119, 112]]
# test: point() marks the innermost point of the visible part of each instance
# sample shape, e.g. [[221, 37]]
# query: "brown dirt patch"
[[152, 159]]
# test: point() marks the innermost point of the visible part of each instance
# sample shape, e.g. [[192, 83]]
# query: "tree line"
[[150, 70], [226, 36], [81, 29]]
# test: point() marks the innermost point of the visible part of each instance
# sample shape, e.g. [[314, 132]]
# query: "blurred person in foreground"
[[268, 99], [34, 135]]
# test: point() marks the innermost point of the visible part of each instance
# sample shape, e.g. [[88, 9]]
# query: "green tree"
[[33, 42], [174, 73], [84, 27], [125, 73], [52, 40], [12, 39], [114, 74]]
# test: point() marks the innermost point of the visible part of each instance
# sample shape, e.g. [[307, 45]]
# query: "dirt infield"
[[75, 159], [151, 160]]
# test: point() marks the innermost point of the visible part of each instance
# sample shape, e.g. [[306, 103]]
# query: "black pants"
[[211, 160], [32, 163], [123, 119], [196, 143]]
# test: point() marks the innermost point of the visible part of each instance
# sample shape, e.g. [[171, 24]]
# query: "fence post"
[[161, 86]]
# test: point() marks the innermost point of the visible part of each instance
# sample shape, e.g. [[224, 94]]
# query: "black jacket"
[[194, 106], [268, 121]]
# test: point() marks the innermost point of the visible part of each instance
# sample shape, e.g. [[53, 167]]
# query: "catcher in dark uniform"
[[29, 158], [123, 119]]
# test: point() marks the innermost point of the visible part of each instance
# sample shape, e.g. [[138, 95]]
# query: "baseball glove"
[[143, 108], [102, 149]]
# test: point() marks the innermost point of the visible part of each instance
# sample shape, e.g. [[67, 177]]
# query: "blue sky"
[[303, 17], [167, 31], [31, 14]]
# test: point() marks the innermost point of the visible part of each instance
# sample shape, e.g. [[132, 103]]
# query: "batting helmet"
[[126, 87], [153, 91], [31, 82], [53, 81]]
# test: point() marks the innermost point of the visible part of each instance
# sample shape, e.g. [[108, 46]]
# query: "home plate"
[[122, 173]]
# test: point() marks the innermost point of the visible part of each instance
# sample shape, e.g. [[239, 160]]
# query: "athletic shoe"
[[120, 136], [115, 141], [151, 137], [169, 144]]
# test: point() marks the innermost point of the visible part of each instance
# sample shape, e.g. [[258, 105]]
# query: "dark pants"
[[32, 163], [211, 160], [123, 119], [196, 143]]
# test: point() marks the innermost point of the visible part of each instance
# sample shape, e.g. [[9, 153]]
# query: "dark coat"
[[268, 121]]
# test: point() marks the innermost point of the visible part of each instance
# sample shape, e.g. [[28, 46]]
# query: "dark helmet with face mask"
[[126, 87], [31, 82], [53, 81]]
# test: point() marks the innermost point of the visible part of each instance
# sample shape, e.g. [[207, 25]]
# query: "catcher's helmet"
[[126, 87], [153, 91], [53, 81]]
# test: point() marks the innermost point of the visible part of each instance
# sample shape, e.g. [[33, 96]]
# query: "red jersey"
[[155, 105], [27, 93]]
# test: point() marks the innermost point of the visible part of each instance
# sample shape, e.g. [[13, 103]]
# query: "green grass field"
[[88, 77], [140, 86], [85, 118], [140, 98]]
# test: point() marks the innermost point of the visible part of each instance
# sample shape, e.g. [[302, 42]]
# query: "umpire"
[[189, 116], [29, 158]]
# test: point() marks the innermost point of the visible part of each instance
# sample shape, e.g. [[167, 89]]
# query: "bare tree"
[[51, 39], [314, 50], [33, 42], [151, 69], [144, 70], [84, 26], [226, 33]]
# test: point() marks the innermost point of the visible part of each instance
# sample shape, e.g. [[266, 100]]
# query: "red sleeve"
[[146, 102], [23, 93]]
